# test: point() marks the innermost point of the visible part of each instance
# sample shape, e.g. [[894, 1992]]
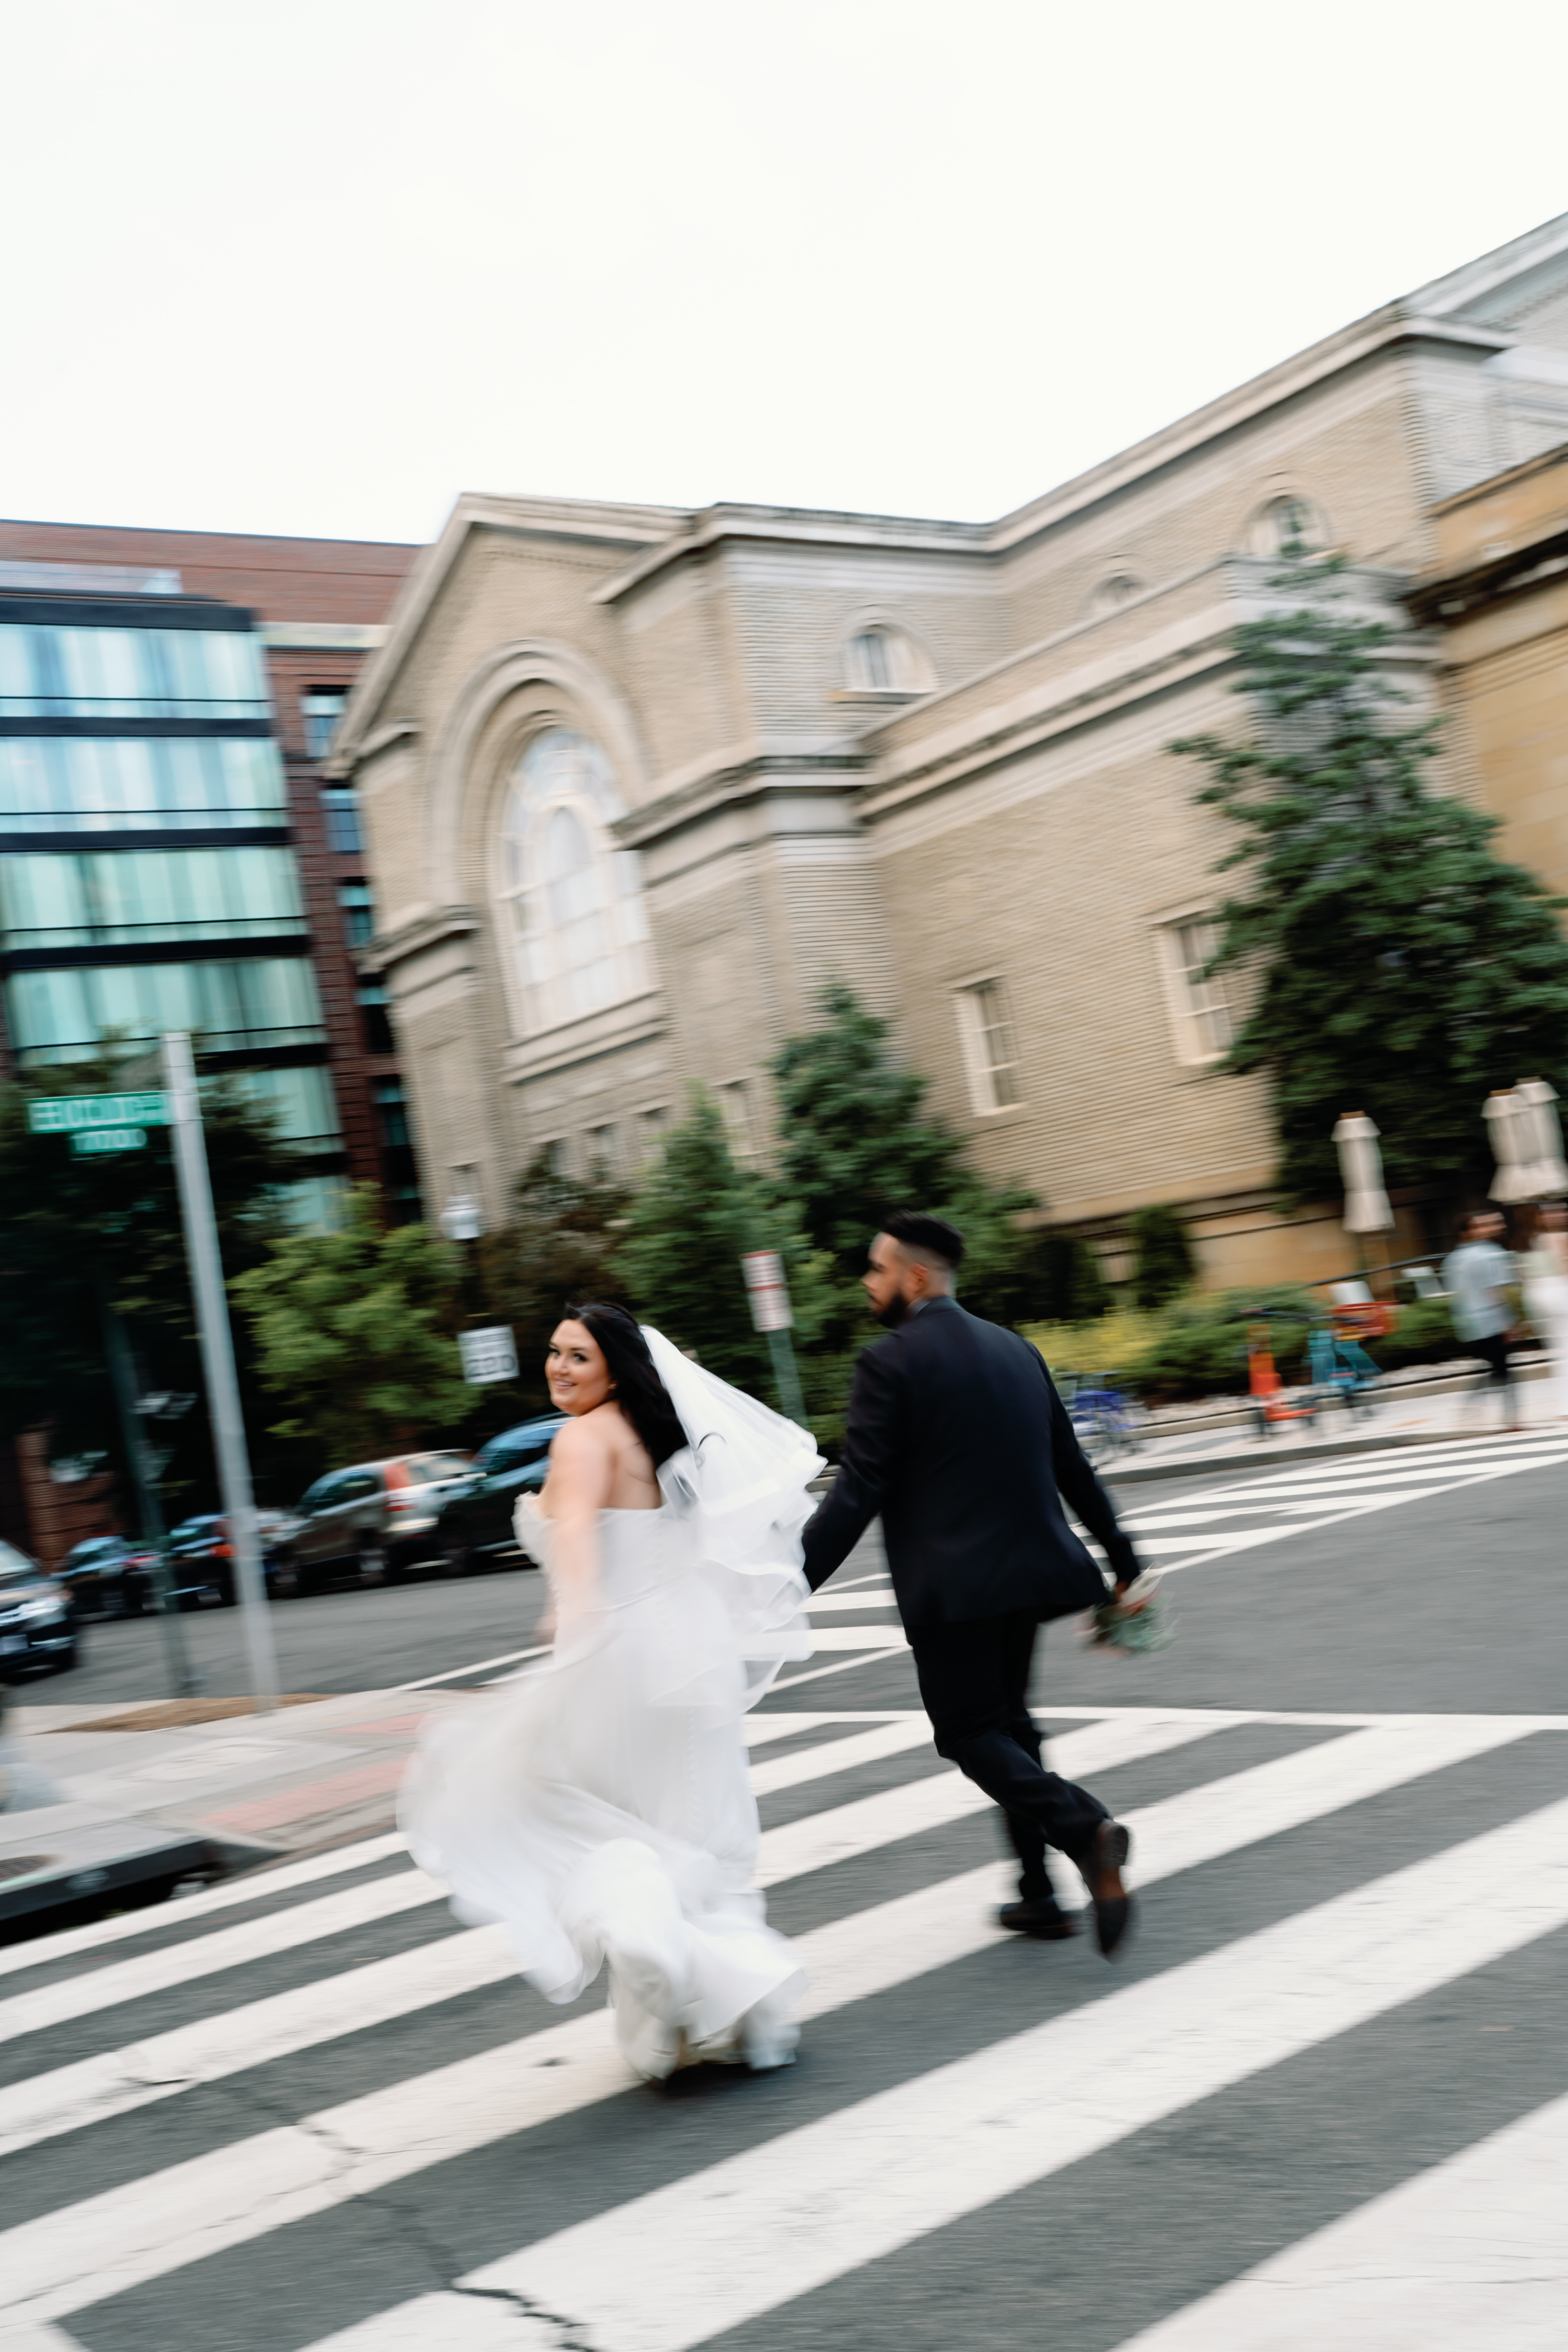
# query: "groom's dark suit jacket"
[[957, 1436]]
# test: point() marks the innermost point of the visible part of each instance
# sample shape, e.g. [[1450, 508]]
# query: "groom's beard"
[[896, 1311]]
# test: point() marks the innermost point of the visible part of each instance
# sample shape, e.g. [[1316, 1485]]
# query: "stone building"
[[635, 780], [1497, 588]]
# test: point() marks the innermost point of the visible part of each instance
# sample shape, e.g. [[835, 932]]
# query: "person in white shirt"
[[1479, 1278]]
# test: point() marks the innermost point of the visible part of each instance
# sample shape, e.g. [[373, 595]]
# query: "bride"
[[600, 1806]]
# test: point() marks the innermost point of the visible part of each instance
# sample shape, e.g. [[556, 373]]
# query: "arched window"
[[573, 923], [883, 660], [1117, 588], [1289, 526]]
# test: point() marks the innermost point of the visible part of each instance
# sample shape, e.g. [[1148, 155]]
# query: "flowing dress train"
[[601, 1805]]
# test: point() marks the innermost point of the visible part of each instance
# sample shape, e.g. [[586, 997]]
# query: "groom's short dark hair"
[[925, 1236]]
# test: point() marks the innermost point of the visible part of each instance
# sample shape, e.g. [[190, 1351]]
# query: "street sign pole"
[[182, 1673], [217, 1361], [771, 1313]]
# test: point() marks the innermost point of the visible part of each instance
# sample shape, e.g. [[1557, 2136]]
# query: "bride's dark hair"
[[640, 1393]]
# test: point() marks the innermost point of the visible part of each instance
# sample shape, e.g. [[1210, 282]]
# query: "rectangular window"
[[340, 811], [359, 912], [990, 1053], [371, 997], [735, 1104], [88, 784], [651, 1130], [262, 1001], [321, 706], [1202, 1021], [604, 1152], [73, 672], [130, 897]]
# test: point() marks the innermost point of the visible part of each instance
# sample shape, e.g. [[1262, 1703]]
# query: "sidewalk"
[[106, 1800], [1442, 1408]]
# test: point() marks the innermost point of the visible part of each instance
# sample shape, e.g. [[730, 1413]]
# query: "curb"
[[1261, 1453]]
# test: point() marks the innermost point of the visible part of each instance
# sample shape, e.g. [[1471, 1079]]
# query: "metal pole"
[[786, 1373], [217, 1361], [182, 1673]]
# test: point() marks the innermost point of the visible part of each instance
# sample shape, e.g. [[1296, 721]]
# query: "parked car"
[[38, 1618], [201, 1557], [108, 1577], [475, 1525], [378, 1518]]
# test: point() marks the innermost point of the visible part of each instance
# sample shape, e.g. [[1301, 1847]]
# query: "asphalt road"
[[1457, 1601], [1322, 2097]]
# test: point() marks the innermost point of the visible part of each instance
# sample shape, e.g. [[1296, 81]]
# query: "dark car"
[[377, 1519], [475, 1526], [38, 1618], [201, 1557], [108, 1577]]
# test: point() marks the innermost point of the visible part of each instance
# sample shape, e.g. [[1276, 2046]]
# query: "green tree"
[[1393, 963], [695, 1216], [560, 1245], [857, 1142], [1073, 1287], [80, 1232], [1163, 1261], [354, 1331]]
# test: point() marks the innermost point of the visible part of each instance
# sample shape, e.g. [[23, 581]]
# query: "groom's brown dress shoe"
[[1040, 1915], [1102, 1867]]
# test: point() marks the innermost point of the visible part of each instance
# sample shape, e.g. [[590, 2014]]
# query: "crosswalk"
[[310, 2113], [1187, 1529]]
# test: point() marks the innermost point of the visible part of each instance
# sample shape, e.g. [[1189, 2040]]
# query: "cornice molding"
[[416, 937], [736, 786]]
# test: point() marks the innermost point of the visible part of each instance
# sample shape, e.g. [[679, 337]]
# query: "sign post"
[[772, 1314], [217, 1360]]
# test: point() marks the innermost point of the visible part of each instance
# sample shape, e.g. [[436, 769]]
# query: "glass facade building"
[[148, 876]]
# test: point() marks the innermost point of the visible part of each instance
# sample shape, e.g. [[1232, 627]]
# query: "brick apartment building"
[[321, 606], [317, 608]]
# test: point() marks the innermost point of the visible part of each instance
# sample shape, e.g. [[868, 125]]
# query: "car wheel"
[[458, 1556], [63, 1664], [373, 1561]]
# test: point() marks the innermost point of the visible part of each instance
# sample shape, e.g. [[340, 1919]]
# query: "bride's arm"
[[580, 1469]]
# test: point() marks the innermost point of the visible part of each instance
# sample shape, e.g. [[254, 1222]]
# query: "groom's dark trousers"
[[957, 1436]]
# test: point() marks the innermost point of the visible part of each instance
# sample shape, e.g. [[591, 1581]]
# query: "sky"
[[319, 266]]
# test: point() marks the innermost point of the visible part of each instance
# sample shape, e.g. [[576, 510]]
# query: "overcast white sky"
[[319, 265]]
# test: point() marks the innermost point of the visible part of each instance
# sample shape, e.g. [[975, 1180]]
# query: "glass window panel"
[[17, 690], [340, 810]]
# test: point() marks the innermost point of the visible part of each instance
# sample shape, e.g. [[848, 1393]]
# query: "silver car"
[[374, 1520]]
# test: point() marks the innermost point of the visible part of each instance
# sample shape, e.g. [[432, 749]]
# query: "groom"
[[957, 1436]]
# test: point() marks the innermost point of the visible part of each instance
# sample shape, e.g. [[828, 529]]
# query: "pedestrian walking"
[[957, 1436], [1546, 1299], [1479, 1276]]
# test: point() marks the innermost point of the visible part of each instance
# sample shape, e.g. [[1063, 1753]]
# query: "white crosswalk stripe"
[[812, 2200], [1244, 1515]]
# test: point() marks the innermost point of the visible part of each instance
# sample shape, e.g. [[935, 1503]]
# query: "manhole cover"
[[23, 1865]]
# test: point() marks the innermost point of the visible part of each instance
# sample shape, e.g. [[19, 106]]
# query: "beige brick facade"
[[929, 757]]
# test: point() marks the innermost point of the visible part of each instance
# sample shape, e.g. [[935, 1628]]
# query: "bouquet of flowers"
[[1136, 1621]]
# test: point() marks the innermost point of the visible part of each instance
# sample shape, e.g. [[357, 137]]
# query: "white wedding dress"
[[601, 1805]]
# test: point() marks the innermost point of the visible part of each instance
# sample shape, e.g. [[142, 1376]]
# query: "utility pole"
[[771, 1314], [217, 1361]]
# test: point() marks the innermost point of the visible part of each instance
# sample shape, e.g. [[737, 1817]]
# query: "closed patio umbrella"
[[1543, 1165], [1508, 1116], [1367, 1208]]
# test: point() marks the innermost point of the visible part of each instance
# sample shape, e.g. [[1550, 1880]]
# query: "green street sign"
[[109, 1138], [79, 1116]]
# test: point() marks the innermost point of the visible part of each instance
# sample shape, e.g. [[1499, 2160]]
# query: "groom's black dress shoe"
[[1102, 1866], [1040, 1915]]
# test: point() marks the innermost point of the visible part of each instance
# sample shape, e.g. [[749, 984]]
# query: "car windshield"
[[514, 1445], [15, 1567], [99, 1548], [424, 1469], [188, 1529]]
